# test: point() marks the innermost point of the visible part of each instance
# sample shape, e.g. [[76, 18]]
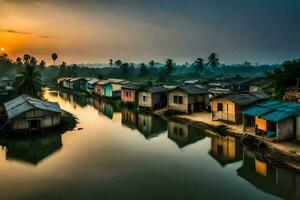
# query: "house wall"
[[48, 119], [175, 106], [5, 83], [261, 124], [97, 89], [116, 87], [106, 90], [285, 129], [298, 128], [131, 97], [148, 102], [229, 110], [156, 100]]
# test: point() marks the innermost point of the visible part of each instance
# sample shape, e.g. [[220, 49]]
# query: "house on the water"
[[227, 107], [90, 84], [28, 113], [188, 99], [5, 81], [293, 93], [153, 97], [66, 82], [274, 120], [98, 87], [5, 87], [111, 88], [78, 83], [130, 92]]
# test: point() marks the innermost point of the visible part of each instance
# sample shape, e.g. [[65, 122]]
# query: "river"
[[121, 154]]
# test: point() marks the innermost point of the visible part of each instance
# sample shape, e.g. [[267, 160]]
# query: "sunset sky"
[[89, 31]]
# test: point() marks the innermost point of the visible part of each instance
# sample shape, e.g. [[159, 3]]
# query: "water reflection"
[[278, 182], [184, 134], [107, 153], [148, 125], [225, 149], [31, 150]]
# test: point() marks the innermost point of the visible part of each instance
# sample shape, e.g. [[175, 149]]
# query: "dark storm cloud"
[[264, 30]]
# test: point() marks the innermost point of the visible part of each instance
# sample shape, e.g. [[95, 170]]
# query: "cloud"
[[24, 33]]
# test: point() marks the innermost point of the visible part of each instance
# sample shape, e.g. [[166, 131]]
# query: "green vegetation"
[[285, 77]]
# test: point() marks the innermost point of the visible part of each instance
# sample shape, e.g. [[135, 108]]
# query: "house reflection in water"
[[129, 118], [225, 149], [183, 134], [150, 125], [31, 150], [107, 110], [278, 182]]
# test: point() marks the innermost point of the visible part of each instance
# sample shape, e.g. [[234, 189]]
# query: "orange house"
[[130, 92]]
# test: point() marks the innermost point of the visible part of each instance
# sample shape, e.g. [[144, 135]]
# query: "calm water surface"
[[120, 154]]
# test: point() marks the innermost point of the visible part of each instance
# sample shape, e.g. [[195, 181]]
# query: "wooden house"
[[5, 81], [274, 120], [153, 97], [130, 92], [187, 99], [66, 83], [111, 88], [27, 113], [227, 107], [78, 83], [98, 87], [91, 84]]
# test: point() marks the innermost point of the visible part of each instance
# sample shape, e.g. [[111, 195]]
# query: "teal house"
[[112, 88]]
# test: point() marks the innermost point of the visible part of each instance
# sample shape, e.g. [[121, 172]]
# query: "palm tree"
[[152, 63], [199, 64], [54, 57], [26, 58], [143, 70], [118, 63], [213, 60], [28, 81], [33, 60], [42, 64], [111, 62], [169, 66]]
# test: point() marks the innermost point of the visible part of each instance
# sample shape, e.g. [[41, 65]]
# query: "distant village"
[[243, 102]]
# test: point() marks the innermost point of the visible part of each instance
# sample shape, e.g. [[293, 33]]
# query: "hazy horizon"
[[92, 31]]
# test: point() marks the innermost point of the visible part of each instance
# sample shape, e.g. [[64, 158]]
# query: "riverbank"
[[282, 154]]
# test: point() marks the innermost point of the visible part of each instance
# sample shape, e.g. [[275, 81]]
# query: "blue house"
[[78, 83], [112, 88]]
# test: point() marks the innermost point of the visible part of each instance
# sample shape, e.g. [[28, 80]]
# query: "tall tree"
[[111, 62], [54, 57], [143, 70], [28, 81], [213, 60], [26, 58], [124, 68], [199, 65], [118, 63], [152, 63], [42, 64], [33, 60], [169, 66]]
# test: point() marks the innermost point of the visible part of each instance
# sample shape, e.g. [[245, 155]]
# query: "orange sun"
[[2, 49]]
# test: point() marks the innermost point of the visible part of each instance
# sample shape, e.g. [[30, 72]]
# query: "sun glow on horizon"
[[2, 49]]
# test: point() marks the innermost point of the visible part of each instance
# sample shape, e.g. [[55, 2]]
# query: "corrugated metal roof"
[[156, 89], [92, 81], [192, 89], [26, 103], [5, 78], [274, 111]]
